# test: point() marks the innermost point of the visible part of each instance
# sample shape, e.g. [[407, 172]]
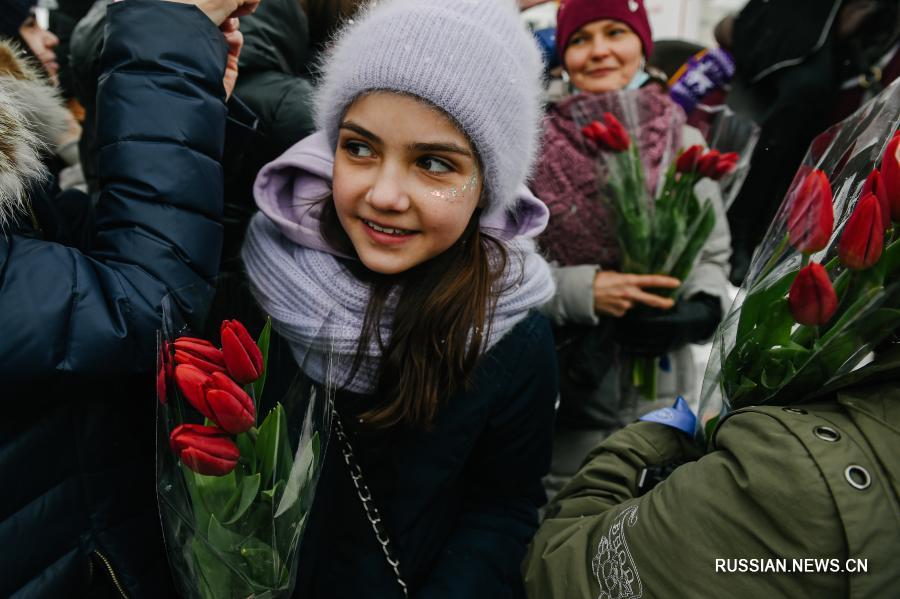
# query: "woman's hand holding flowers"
[[615, 293]]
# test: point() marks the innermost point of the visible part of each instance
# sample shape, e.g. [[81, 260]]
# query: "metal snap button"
[[826, 433], [795, 410], [858, 477]]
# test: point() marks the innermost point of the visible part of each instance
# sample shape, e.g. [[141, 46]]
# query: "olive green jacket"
[[821, 480]]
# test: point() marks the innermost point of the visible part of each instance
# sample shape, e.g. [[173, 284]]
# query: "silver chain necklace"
[[365, 497]]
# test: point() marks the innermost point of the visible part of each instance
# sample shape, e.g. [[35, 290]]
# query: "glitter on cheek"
[[454, 194]]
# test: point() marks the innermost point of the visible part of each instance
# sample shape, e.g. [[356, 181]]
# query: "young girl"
[[396, 246]]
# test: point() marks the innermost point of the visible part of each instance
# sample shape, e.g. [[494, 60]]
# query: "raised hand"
[[219, 10], [235, 40]]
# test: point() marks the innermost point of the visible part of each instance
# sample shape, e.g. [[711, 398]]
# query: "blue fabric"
[[459, 501], [78, 343], [639, 79], [679, 416]]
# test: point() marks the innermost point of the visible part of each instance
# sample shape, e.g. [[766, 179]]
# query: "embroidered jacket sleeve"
[[503, 478], [740, 501]]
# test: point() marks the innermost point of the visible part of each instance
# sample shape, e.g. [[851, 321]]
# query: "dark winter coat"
[[78, 342], [274, 82], [459, 502], [240, 157]]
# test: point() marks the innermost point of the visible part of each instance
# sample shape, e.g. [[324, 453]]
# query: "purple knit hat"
[[575, 14], [12, 14], [473, 59]]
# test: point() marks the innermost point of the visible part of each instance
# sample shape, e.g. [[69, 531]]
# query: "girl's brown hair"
[[442, 318]]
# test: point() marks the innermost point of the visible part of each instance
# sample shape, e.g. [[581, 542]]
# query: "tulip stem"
[[253, 433], [776, 256]]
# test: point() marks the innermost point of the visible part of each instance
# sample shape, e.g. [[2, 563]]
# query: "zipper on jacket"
[[112, 573]]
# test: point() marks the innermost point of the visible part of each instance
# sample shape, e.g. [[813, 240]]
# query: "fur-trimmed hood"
[[32, 120]]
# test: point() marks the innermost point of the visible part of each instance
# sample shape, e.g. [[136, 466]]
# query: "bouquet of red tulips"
[[818, 297], [234, 487], [662, 225]]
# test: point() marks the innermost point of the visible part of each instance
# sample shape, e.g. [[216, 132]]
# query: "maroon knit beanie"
[[574, 14]]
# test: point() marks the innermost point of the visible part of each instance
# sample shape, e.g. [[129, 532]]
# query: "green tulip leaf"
[[262, 560], [248, 491], [710, 426], [213, 576], [201, 514], [217, 493], [300, 475], [851, 314], [753, 309], [248, 452], [891, 258], [694, 244], [263, 343], [220, 537], [274, 493], [285, 460], [270, 446]]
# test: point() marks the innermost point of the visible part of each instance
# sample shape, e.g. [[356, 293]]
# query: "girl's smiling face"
[[603, 56], [406, 181]]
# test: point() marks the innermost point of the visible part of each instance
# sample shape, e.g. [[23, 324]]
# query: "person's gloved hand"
[[651, 332]]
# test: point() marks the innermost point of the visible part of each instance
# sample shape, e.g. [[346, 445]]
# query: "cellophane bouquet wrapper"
[[236, 534], [823, 288]]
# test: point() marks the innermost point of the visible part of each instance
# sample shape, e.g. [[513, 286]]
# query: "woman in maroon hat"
[[603, 317]]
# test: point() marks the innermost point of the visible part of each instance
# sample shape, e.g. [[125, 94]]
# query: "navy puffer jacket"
[[78, 324]]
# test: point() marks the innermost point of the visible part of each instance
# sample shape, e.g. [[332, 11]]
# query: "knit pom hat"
[[473, 59], [575, 14]]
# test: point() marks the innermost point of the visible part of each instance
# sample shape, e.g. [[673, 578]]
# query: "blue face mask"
[[638, 80]]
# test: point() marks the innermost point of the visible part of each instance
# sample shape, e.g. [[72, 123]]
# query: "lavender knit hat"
[[473, 59]]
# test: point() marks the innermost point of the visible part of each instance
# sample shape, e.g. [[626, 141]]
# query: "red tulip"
[[862, 241], [811, 217], [707, 163], [619, 140], [217, 397], [812, 300], [594, 130], [611, 134], [890, 175], [725, 165], [687, 161], [200, 353], [242, 356], [874, 184], [204, 449]]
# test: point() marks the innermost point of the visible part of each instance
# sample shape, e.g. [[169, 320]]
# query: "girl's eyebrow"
[[412, 147], [439, 147], [351, 126]]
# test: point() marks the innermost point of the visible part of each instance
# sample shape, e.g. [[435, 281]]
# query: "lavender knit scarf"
[[569, 177], [318, 306]]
